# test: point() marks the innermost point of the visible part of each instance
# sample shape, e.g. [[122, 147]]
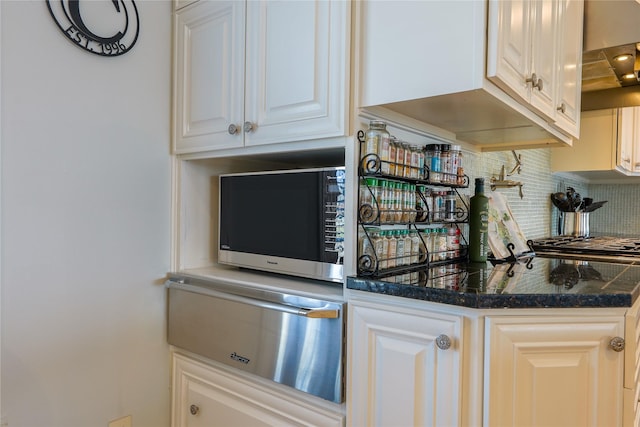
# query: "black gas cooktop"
[[601, 248]]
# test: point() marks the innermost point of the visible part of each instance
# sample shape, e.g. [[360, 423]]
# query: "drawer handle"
[[194, 409], [616, 344], [319, 314], [443, 342], [562, 108]]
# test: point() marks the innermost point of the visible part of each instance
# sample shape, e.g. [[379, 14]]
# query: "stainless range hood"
[[611, 30]]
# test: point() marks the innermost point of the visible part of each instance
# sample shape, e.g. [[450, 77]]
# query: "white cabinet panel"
[[553, 371], [296, 70], [511, 39], [399, 376], [209, 75], [569, 66], [544, 55]]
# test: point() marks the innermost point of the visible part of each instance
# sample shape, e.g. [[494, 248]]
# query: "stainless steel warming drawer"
[[290, 339]]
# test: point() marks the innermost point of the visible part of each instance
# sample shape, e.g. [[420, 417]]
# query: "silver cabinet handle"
[[616, 344], [248, 127], [194, 409], [562, 108], [443, 342], [233, 129], [535, 81], [539, 85]]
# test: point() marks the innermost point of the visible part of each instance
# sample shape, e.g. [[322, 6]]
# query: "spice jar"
[[375, 138], [450, 206]]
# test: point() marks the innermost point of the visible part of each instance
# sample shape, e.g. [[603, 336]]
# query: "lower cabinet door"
[[553, 371], [404, 367], [204, 396]]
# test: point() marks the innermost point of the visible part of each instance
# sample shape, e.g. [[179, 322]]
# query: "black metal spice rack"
[[370, 165]]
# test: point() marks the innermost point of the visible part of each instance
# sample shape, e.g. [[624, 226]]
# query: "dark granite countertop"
[[530, 283]]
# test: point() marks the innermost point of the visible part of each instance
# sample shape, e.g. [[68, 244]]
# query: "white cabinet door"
[[296, 58], [523, 36], [209, 75], [569, 65], [398, 374], [631, 136], [509, 45], [544, 47], [297, 70], [204, 396], [535, 52], [553, 371], [626, 135]]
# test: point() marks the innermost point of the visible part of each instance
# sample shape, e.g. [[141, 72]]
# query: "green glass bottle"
[[478, 223]]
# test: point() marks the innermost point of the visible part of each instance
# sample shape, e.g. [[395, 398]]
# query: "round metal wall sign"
[[118, 38]]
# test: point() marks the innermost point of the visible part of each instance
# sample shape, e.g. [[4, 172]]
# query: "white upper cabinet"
[[535, 53], [608, 149], [467, 68], [569, 67], [629, 139], [282, 76]]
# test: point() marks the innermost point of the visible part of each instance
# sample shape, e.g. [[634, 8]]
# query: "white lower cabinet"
[[207, 396], [405, 367], [505, 367], [553, 371]]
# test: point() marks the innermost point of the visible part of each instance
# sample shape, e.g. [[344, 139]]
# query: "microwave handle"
[[311, 313]]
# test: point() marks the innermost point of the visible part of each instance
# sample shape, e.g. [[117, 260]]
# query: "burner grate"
[[601, 246]]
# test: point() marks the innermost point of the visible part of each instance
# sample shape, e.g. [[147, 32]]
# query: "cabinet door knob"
[[194, 409], [535, 82], [616, 344], [248, 127], [562, 108], [233, 129], [443, 342], [539, 84]]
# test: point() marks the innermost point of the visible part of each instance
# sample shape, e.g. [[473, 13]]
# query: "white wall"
[[85, 223]]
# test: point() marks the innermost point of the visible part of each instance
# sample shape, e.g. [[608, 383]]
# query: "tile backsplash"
[[621, 214], [535, 213]]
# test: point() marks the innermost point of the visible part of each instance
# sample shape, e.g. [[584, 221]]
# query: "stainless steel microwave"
[[287, 221]]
